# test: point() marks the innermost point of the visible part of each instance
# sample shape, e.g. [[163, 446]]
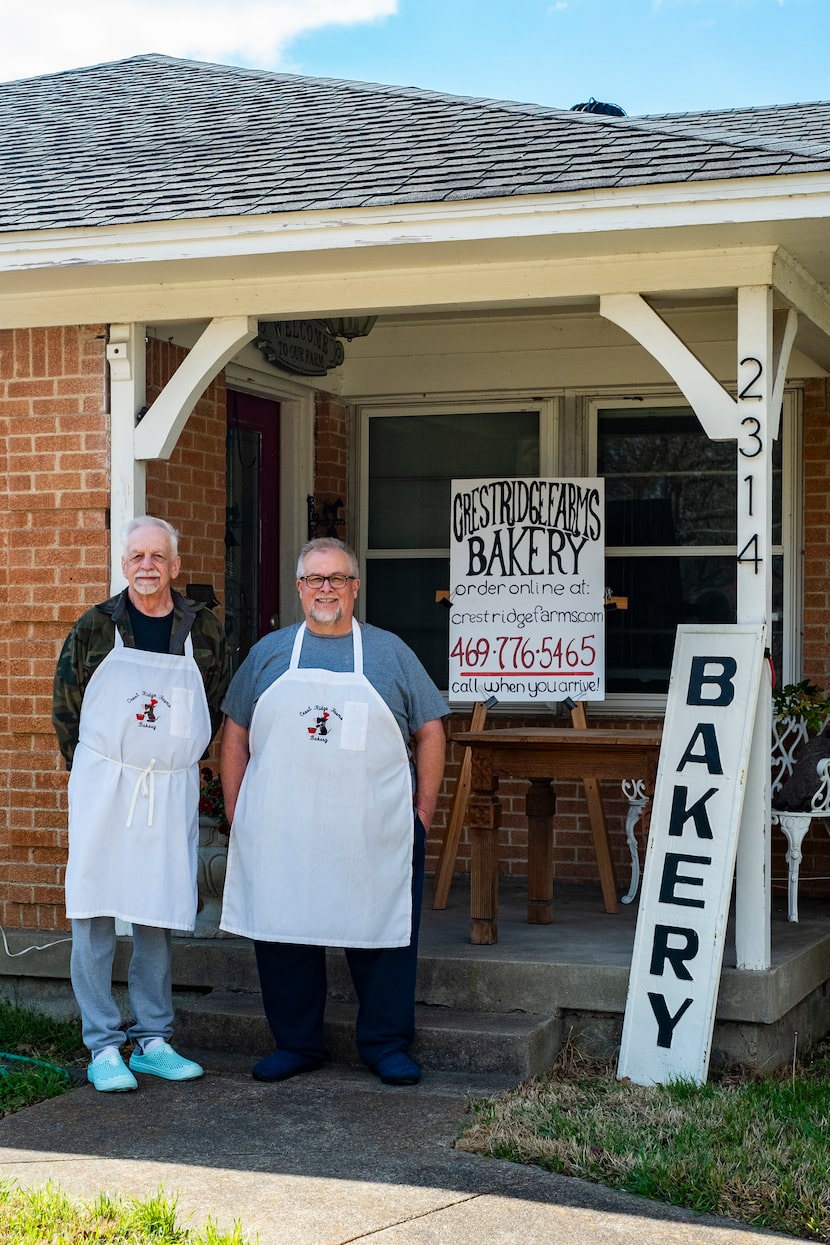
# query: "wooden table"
[[542, 755]]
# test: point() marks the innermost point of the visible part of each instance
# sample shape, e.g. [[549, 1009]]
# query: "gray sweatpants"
[[149, 982]]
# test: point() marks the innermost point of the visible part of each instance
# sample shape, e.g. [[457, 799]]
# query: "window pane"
[[400, 596], [662, 592], [666, 483], [412, 460]]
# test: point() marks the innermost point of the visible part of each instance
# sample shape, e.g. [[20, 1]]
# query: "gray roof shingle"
[[153, 138]]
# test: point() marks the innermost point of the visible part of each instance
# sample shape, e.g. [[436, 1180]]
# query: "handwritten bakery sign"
[[690, 862], [527, 587]]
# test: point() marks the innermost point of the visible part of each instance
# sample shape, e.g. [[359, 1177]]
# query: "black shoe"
[[282, 1064], [397, 1069]]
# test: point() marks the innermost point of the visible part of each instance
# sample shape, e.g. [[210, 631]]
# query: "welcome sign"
[[527, 589], [687, 880]]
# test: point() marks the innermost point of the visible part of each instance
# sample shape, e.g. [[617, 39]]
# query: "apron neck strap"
[[357, 647]]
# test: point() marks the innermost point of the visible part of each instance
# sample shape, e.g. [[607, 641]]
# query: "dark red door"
[[252, 530]]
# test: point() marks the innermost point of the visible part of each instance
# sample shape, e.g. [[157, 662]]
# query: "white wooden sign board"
[[690, 861], [527, 590]]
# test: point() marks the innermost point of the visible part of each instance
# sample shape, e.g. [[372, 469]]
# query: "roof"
[[153, 138]]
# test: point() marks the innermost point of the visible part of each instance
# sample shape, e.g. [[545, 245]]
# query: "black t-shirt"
[[151, 634]]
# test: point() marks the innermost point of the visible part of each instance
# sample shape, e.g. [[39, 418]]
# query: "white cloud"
[[64, 34]]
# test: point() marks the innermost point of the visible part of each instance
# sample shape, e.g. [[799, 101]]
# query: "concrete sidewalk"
[[325, 1159]]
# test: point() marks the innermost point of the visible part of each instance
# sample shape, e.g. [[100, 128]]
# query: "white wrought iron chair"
[[788, 735]]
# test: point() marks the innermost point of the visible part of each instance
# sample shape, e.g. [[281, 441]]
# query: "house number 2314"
[[751, 446]]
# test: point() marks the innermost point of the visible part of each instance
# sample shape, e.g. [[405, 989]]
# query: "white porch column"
[[128, 476], [761, 378]]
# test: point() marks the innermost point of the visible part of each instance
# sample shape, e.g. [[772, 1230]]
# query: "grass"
[[47, 1215], [752, 1149], [40, 1051]]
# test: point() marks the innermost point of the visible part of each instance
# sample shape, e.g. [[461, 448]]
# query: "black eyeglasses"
[[335, 581]]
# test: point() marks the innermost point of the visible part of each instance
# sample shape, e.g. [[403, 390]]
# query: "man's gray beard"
[[316, 613]]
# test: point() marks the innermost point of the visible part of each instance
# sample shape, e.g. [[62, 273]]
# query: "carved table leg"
[[634, 790], [540, 806], [795, 826], [485, 819]]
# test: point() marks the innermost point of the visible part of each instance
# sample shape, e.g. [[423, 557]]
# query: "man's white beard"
[[326, 613], [146, 587]]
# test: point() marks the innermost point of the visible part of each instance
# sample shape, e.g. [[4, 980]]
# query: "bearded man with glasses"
[[332, 759]]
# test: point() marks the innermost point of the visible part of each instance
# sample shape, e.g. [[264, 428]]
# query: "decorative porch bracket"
[[159, 430], [156, 435], [752, 419]]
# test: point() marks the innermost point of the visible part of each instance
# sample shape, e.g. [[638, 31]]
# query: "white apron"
[[321, 843], [134, 790]]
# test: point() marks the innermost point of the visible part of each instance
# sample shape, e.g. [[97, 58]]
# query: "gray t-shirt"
[[390, 666]]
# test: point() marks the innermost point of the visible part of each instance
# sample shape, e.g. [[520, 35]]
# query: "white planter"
[[213, 862]]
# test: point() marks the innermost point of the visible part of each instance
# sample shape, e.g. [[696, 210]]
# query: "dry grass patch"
[[752, 1149]]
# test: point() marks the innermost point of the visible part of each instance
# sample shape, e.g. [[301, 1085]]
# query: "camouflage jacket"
[[93, 637]]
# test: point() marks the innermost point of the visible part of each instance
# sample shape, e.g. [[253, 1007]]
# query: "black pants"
[[292, 978]]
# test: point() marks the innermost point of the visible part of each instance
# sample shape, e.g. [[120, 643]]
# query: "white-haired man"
[[136, 700]]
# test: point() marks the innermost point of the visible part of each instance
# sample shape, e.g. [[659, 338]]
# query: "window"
[[670, 522], [409, 462], [671, 531]]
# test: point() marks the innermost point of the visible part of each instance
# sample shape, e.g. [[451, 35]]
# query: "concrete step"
[[515, 1044]]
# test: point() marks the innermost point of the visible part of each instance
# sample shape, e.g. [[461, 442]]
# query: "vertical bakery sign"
[[527, 590]]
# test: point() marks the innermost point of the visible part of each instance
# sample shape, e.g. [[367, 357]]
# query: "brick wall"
[[331, 462], [54, 447], [54, 451]]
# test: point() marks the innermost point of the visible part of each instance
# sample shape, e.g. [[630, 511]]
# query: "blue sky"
[[646, 55]]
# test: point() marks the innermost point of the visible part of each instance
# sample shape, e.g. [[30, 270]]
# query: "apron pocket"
[[355, 723], [181, 712]]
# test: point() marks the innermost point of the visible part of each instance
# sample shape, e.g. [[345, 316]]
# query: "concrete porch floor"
[[507, 1007]]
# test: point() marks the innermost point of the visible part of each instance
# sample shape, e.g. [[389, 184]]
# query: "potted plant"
[[800, 712], [211, 800], [802, 702]]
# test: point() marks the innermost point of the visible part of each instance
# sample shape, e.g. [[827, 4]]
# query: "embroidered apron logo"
[[146, 712], [319, 720]]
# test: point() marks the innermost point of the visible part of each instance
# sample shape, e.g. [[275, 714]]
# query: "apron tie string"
[[145, 786]]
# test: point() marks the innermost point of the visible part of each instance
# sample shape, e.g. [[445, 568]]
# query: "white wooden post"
[[756, 425], [128, 477], [752, 418]]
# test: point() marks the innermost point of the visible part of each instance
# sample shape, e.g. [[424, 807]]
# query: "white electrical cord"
[[45, 947]]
